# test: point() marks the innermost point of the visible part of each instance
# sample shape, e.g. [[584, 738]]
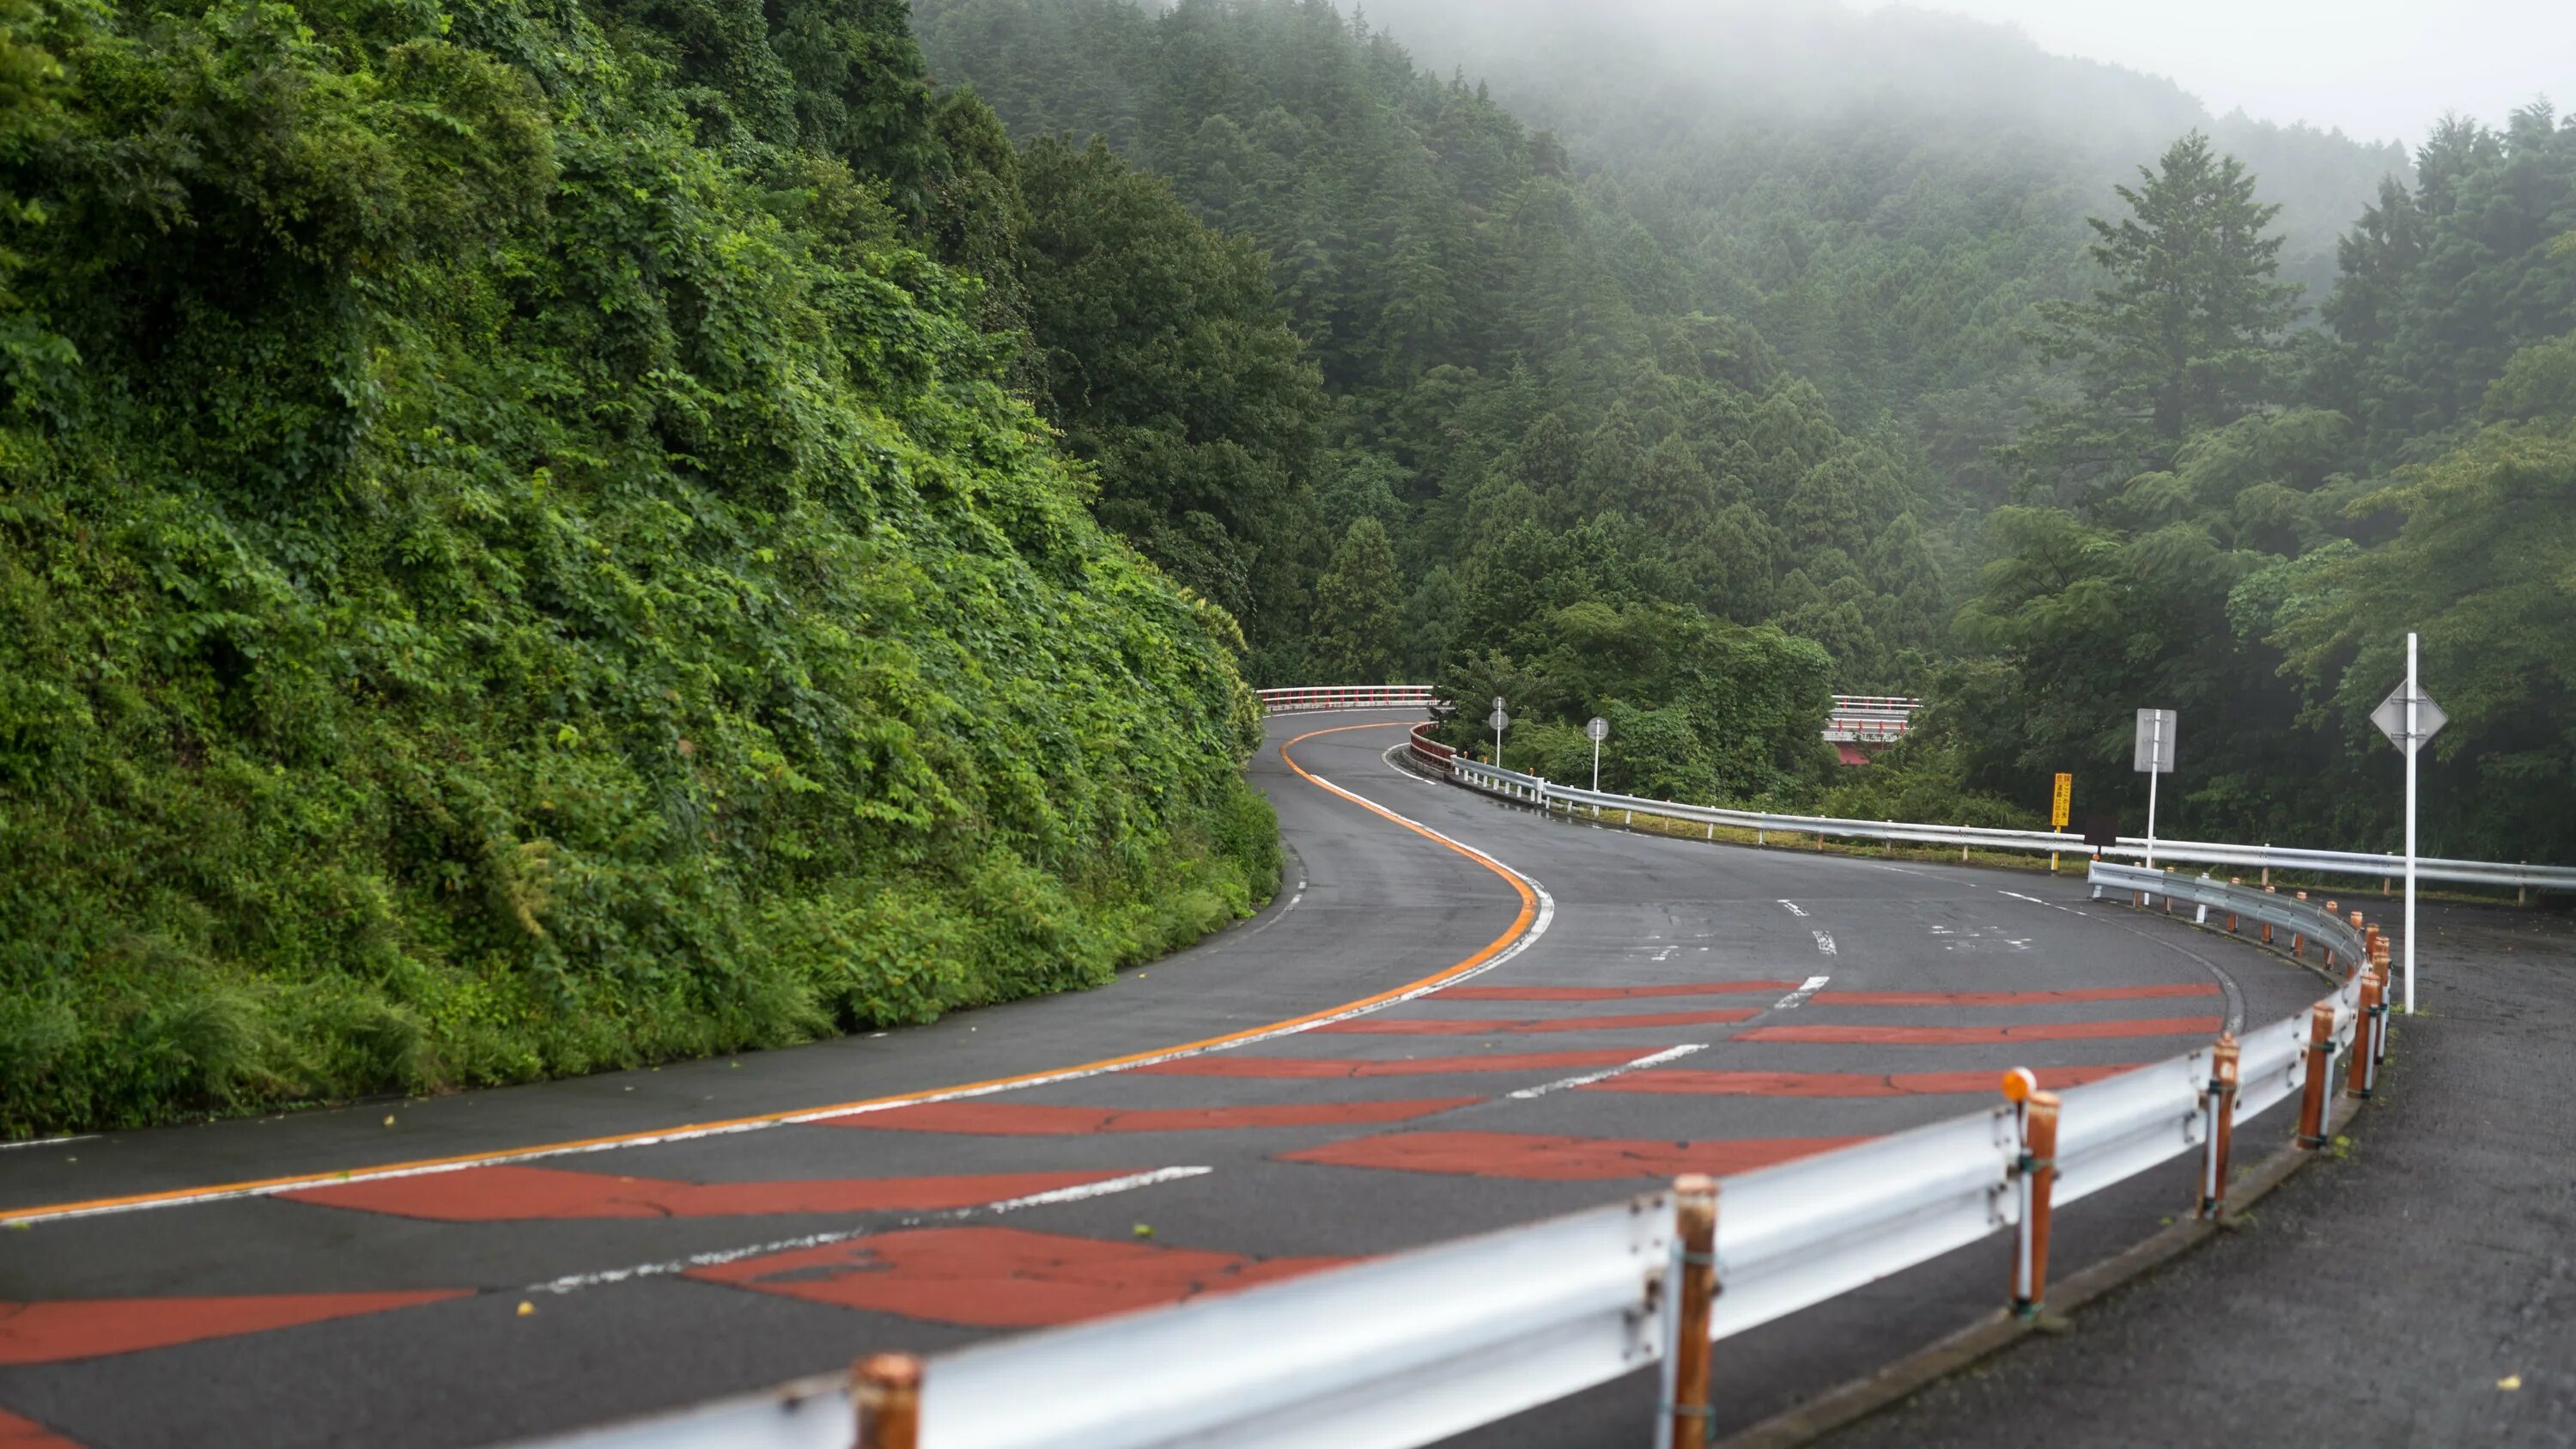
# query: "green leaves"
[[524, 588]]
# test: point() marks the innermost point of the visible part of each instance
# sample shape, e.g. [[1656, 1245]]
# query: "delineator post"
[[2036, 1112]]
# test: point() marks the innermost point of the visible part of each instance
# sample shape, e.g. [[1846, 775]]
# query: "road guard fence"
[[1306, 699], [1410, 1349], [1546, 795]]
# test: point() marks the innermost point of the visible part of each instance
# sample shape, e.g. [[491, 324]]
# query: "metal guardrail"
[[1307, 698], [1530, 788], [1411, 1349], [1414, 1348]]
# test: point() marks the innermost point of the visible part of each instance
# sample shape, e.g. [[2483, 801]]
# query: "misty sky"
[[2379, 69]]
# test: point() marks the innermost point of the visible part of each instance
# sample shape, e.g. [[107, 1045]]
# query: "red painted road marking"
[[1559, 1159], [77, 1328], [999, 1277], [1969, 1035], [1608, 993], [1333, 1068], [517, 1194], [1687, 1083], [1014, 1119], [2014, 998], [1434, 1026], [18, 1433]]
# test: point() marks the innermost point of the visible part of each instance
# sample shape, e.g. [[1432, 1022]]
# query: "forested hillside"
[[519, 554], [1591, 493], [1884, 196], [1864, 326]]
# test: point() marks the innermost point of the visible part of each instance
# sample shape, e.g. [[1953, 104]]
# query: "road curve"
[[1457, 1016]]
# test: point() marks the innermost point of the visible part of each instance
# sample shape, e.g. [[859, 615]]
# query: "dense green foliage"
[[516, 556], [1522, 399], [2409, 468], [2019, 380], [539, 534]]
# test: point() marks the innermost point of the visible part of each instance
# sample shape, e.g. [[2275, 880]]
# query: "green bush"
[[514, 565]]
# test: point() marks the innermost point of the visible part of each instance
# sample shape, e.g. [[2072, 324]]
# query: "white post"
[[2158, 737], [1596, 767], [2414, 692]]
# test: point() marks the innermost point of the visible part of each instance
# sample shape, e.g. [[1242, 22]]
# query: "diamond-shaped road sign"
[[2391, 718]]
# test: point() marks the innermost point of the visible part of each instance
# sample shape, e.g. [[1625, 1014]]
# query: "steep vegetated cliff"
[[519, 554]]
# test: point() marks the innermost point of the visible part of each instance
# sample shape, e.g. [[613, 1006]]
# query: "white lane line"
[[1388, 760], [1794, 908], [1276, 917], [669, 1266], [2016, 895], [48, 1141], [1656, 1059], [1537, 928], [1824, 943], [1807, 988]]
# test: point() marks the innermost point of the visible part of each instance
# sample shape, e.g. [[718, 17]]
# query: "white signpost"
[[2155, 757], [1500, 721], [1598, 729], [2409, 717]]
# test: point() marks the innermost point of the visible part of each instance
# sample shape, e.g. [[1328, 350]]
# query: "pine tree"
[[1359, 610], [2186, 336]]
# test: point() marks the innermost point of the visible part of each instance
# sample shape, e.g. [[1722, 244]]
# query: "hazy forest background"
[[550, 534]]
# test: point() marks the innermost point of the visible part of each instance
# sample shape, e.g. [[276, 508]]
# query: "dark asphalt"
[[205, 1323], [2419, 1290]]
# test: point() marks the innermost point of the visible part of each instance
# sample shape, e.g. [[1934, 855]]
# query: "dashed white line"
[[1655, 1059], [1824, 943], [1794, 999], [669, 1266], [1793, 908]]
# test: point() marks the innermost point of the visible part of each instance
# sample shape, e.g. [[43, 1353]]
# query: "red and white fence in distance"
[[1870, 719], [1303, 699]]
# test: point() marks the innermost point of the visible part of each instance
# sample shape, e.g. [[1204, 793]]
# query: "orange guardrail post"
[[2233, 880], [2267, 925], [2037, 1111], [887, 1389], [2218, 1108], [2379, 960], [2312, 1106], [2299, 940], [1693, 1410], [2358, 1077]]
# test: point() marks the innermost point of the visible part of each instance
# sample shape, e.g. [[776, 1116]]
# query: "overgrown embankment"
[[516, 560]]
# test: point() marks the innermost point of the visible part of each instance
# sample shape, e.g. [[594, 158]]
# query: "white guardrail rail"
[[1547, 795], [1413, 1348]]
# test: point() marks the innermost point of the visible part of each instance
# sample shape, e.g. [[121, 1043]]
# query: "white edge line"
[[1537, 928], [1078, 1193], [49, 1141], [1655, 1059], [1825, 942]]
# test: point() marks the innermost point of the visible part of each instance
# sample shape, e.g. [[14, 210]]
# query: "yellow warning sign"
[[2057, 805]]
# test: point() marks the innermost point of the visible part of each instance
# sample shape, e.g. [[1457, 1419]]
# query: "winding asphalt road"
[[1549, 1015]]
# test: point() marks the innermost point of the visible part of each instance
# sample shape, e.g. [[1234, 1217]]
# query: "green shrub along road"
[[517, 560]]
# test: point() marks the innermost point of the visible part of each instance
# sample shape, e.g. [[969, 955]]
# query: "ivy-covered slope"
[[514, 560]]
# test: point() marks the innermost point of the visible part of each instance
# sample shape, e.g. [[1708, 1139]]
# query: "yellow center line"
[[260, 1186]]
